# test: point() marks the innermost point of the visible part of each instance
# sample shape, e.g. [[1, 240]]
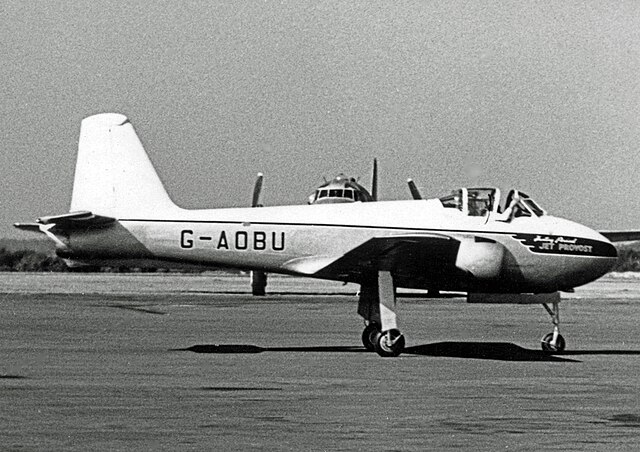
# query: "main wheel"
[[369, 336], [389, 343], [548, 347]]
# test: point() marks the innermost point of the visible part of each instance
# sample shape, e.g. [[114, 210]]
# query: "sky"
[[535, 95]]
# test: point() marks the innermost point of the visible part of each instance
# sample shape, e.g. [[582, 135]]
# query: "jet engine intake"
[[481, 257]]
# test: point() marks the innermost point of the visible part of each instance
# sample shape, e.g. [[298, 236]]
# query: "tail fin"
[[114, 176]]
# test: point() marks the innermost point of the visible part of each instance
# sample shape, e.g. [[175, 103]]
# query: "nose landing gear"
[[553, 342]]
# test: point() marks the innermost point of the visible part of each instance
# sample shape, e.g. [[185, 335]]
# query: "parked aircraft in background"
[[343, 189], [340, 189], [258, 277], [466, 241], [415, 193]]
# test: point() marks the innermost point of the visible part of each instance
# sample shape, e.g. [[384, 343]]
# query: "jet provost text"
[[575, 246], [239, 240]]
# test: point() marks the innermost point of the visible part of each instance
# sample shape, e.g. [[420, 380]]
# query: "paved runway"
[[126, 362]]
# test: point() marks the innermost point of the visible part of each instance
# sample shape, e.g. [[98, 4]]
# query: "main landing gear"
[[390, 343], [553, 342], [377, 305], [369, 335]]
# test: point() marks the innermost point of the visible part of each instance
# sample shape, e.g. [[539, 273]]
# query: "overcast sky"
[[541, 96]]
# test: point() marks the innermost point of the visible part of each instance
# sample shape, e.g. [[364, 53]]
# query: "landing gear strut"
[[377, 306], [553, 342]]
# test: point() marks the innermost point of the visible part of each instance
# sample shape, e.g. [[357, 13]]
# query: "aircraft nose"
[[586, 254], [600, 255], [609, 254]]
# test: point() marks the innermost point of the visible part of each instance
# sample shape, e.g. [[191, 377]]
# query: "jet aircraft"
[[466, 241]]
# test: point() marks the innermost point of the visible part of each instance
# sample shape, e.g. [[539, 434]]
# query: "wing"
[[621, 236], [413, 257]]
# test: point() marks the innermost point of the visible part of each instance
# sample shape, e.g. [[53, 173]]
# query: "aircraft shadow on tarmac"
[[498, 351], [252, 349]]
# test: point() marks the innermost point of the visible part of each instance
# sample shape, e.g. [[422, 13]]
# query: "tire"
[[369, 336], [546, 343], [386, 348]]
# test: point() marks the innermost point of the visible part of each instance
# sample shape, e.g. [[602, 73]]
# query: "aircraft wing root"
[[621, 236], [406, 254]]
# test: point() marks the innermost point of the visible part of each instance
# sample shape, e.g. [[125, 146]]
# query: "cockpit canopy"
[[483, 202]]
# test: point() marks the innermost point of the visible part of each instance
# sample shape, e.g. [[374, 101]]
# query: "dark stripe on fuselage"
[[566, 245]]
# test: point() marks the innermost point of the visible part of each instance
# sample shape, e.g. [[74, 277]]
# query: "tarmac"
[[193, 362]]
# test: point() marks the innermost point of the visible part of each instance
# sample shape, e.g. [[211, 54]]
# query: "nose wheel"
[[553, 342], [551, 345]]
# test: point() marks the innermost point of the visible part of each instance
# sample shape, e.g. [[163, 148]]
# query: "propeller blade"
[[413, 189], [374, 180], [257, 189]]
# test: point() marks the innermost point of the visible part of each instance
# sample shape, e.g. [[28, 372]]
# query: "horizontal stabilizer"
[[76, 220], [621, 236], [67, 221], [33, 227]]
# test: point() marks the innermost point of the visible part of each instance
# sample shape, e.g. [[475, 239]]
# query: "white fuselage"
[[546, 253]]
